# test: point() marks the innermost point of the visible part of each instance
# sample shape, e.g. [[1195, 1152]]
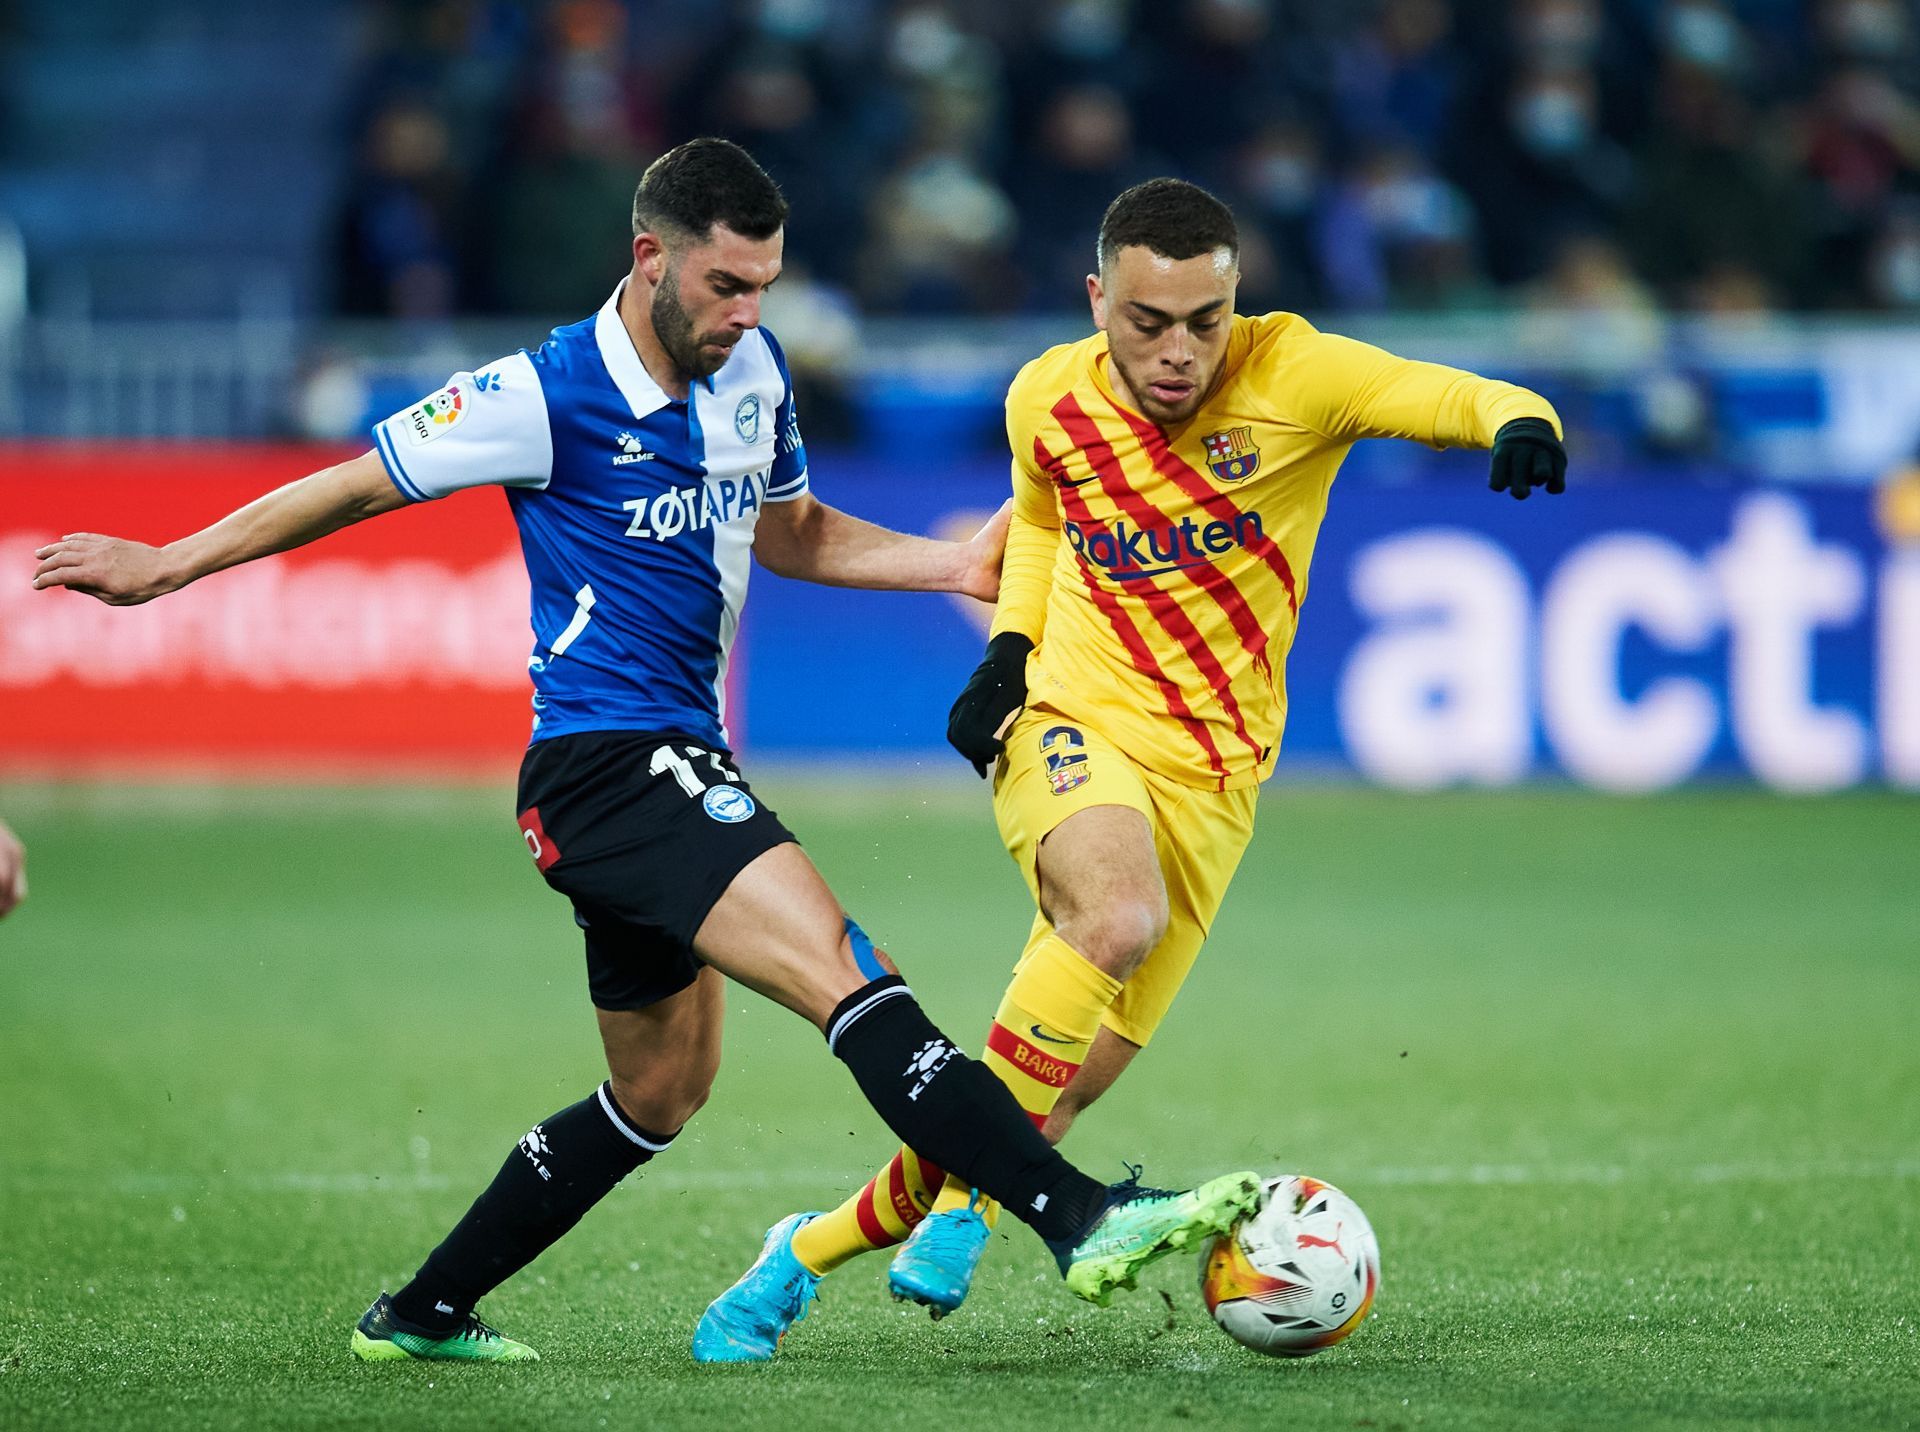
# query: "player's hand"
[[13, 870], [1526, 455], [996, 692], [981, 574], [118, 572]]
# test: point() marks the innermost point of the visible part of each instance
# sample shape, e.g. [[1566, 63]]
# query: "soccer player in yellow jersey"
[[1170, 474]]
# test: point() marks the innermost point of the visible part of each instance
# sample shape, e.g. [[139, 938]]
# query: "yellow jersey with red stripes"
[[1160, 571]]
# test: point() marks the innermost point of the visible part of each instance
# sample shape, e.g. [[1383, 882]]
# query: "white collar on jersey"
[[643, 395]]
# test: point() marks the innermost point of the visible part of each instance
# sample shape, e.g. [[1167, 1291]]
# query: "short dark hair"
[[1175, 219], [705, 182]]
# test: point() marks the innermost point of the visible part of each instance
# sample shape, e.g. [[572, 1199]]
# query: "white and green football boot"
[[382, 1337], [1136, 1226]]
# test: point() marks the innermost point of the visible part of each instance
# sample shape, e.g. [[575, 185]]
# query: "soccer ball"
[[1297, 1274]]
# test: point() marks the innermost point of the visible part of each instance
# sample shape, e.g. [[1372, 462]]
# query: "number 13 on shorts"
[[667, 759]]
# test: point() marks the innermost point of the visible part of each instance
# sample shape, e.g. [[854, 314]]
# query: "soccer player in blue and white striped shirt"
[[647, 452]]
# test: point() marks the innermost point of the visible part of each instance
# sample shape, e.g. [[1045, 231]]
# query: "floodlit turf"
[[1631, 1091]]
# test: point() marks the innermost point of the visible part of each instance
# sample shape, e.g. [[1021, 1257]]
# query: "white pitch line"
[[683, 1179], [1449, 1176], [141, 1185]]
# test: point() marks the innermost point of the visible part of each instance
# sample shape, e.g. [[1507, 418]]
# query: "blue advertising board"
[[1626, 636]]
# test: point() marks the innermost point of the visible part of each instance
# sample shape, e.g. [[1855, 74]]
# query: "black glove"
[[1527, 455], [997, 688]]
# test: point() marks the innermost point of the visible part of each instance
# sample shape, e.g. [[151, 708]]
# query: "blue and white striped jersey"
[[636, 512]]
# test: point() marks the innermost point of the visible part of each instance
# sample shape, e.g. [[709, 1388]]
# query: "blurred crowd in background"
[[953, 157], [1696, 223]]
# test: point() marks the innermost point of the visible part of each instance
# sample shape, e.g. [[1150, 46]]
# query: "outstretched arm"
[[1366, 392], [123, 573], [810, 541]]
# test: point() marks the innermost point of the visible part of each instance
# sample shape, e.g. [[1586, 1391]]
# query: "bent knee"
[[1119, 936], [662, 1106]]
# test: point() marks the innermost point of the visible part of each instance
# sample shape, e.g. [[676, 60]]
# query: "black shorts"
[[643, 832]]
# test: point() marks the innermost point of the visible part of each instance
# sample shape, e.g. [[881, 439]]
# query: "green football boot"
[[382, 1337], [1135, 1226]]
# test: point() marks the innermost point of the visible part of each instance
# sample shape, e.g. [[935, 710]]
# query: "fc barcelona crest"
[[1231, 454], [1067, 767]]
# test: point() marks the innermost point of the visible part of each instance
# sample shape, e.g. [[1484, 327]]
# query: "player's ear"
[[1097, 297], [649, 257]]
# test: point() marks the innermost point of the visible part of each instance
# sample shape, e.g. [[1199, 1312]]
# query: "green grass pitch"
[[1631, 1090]]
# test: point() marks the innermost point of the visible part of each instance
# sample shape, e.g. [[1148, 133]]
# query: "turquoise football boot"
[[935, 1266], [746, 1323]]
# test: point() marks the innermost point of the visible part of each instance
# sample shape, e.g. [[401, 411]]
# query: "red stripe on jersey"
[[1085, 435], [1036, 1064], [870, 1226], [1231, 601], [1123, 628], [1229, 598], [1153, 442]]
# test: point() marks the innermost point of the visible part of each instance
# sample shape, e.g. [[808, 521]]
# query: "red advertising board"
[[395, 647]]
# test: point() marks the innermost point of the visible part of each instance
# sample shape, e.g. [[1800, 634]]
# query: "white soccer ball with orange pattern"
[[1297, 1274]]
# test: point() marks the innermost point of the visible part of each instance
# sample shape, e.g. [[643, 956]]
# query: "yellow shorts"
[[1053, 767]]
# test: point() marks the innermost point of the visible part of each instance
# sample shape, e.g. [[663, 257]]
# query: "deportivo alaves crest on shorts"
[[636, 512], [1181, 557]]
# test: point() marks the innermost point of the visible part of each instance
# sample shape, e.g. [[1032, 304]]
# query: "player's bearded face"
[[697, 354], [709, 296], [1167, 323], [672, 325]]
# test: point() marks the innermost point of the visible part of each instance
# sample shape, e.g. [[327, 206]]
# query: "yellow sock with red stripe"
[[1041, 1033], [878, 1216]]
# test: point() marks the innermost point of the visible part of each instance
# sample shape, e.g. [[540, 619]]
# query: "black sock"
[[560, 1169], [952, 1110]]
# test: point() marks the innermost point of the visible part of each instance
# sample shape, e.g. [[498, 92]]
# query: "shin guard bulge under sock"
[[950, 1108], [1040, 1036]]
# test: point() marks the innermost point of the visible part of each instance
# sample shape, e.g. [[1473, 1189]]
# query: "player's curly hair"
[[704, 182], [1173, 218]]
